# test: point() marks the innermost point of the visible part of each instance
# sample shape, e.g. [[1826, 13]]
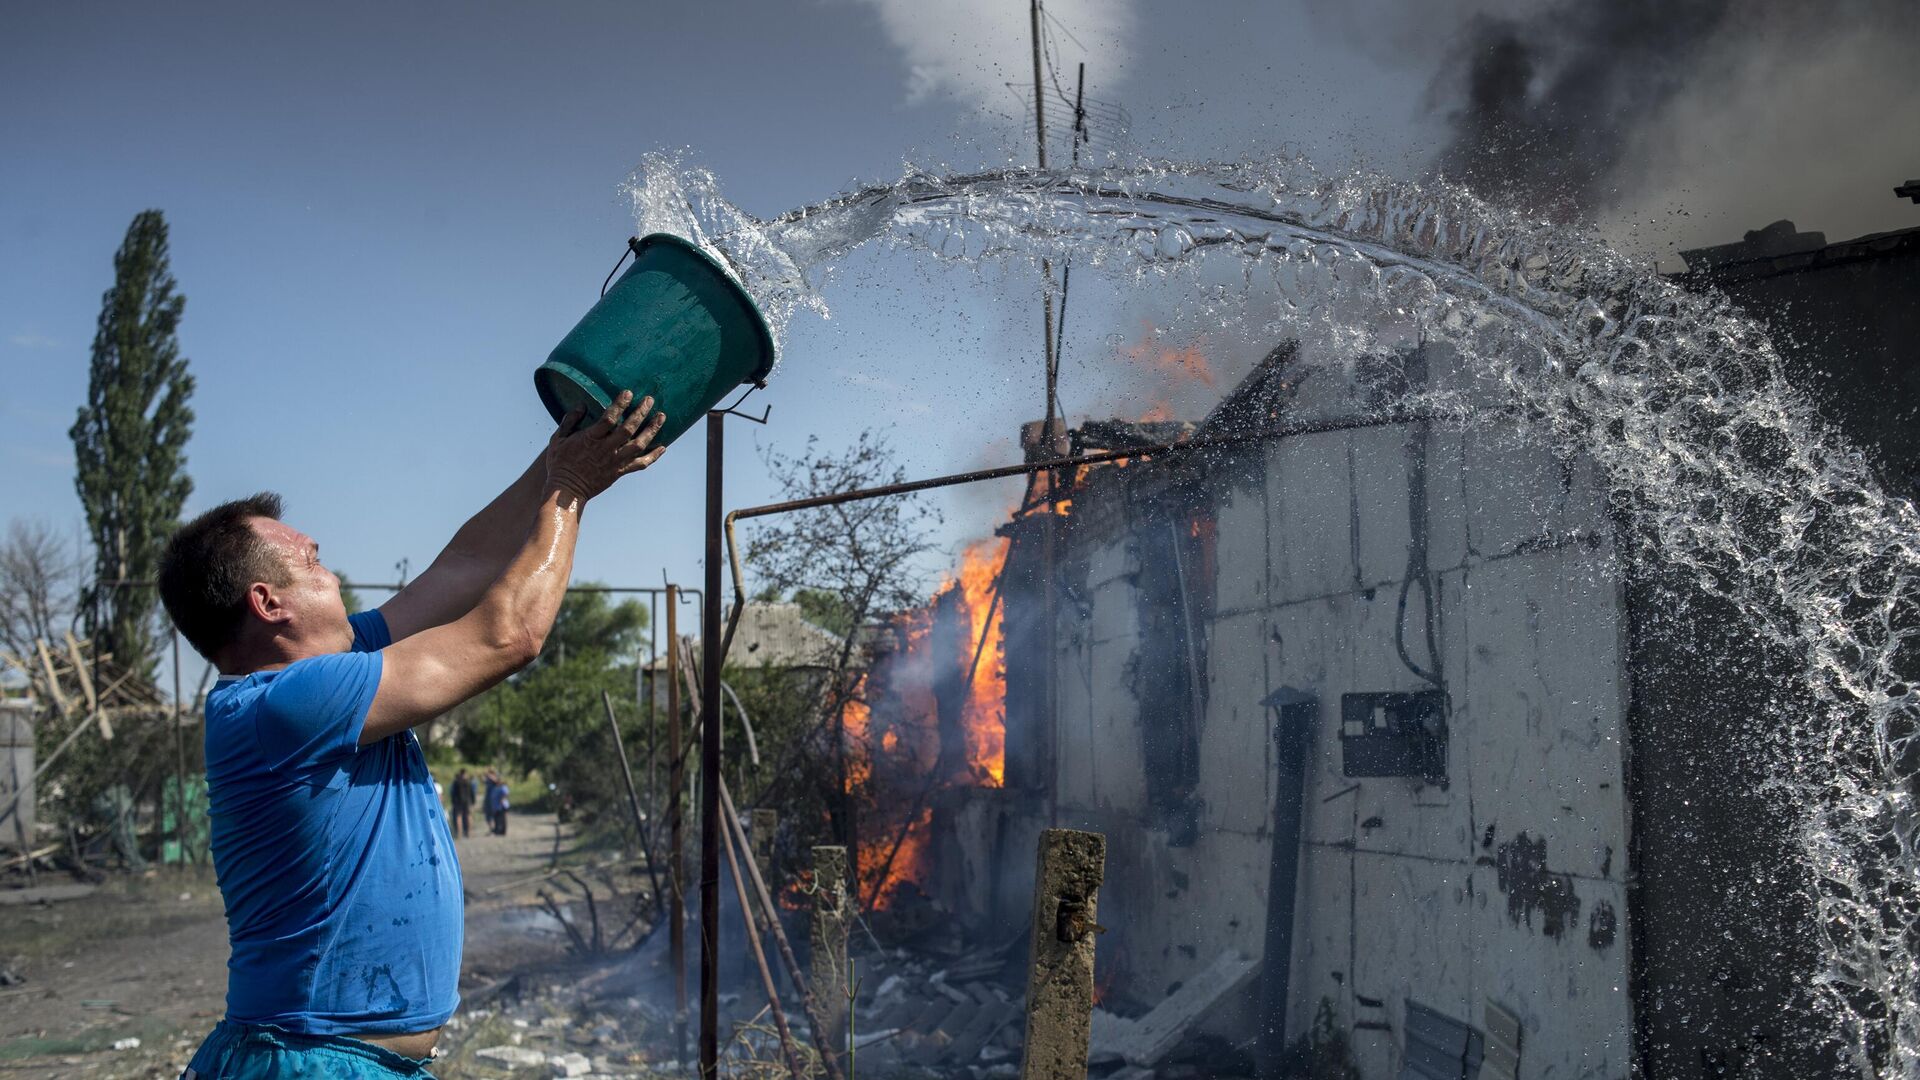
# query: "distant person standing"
[[460, 799], [496, 804]]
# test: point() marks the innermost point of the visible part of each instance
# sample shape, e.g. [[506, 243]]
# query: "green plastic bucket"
[[675, 326]]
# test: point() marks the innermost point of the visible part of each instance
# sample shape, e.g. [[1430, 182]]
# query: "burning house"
[[1375, 706]]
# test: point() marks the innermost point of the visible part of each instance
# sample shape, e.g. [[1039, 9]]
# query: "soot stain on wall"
[[1521, 871]]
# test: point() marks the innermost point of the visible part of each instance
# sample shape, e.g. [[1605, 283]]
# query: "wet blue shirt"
[[342, 891]]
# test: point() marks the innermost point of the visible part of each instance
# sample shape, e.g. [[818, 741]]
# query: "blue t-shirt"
[[342, 890]]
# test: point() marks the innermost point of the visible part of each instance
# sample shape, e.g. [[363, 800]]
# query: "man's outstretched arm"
[[478, 553], [431, 671]]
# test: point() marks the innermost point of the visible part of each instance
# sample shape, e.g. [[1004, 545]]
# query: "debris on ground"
[[1148, 1040], [46, 894]]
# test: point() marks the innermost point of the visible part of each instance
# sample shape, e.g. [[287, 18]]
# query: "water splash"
[[1721, 467]]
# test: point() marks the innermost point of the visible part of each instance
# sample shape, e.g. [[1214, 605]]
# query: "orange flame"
[[985, 714], [857, 721], [1176, 365], [881, 879]]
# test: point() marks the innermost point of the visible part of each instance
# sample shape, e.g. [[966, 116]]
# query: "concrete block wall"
[[1505, 885]]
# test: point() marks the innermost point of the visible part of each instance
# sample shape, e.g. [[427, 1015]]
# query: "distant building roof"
[[777, 636], [1781, 249]]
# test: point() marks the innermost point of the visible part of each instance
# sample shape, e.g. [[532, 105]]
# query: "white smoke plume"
[[980, 51]]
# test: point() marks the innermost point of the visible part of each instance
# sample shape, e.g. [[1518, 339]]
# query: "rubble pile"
[[955, 1020], [931, 1011], [560, 1029]]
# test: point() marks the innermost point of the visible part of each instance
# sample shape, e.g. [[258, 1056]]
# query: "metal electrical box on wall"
[[1394, 734]]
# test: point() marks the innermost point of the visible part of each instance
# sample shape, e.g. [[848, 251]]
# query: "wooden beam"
[[80, 672], [53, 679]]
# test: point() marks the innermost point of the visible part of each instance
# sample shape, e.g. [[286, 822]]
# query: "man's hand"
[[430, 672], [586, 462]]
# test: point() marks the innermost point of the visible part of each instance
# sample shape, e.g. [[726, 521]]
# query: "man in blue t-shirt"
[[342, 891]]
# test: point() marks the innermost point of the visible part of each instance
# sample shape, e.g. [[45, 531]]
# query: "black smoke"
[[1544, 105]]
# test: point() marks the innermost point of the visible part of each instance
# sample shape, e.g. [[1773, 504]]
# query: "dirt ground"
[[145, 957]]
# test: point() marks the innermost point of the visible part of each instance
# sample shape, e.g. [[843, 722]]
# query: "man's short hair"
[[210, 563]]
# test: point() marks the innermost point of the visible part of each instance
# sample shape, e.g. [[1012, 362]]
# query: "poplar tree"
[[130, 438]]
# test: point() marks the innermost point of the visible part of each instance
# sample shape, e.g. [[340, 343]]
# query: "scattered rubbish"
[[512, 1057], [1149, 1039], [570, 1064], [128, 1043]]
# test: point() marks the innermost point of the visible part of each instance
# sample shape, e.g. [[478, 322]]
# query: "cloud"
[[972, 49], [35, 341]]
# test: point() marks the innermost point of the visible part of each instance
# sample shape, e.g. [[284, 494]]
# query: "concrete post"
[[760, 830], [832, 915], [1066, 892]]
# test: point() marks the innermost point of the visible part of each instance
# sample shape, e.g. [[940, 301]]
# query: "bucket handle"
[[733, 409], [633, 248]]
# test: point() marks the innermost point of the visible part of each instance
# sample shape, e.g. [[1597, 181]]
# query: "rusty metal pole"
[[1052, 372], [710, 759], [1069, 869], [646, 683], [642, 837], [787, 1046], [771, 915], [676, 843]]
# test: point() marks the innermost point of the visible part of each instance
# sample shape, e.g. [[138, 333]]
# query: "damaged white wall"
[[1456, 897]]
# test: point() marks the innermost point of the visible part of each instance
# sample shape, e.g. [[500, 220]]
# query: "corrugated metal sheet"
[[1503, 1045], [1439, 1047]]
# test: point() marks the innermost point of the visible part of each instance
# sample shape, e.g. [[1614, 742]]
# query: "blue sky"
[[385, 215]]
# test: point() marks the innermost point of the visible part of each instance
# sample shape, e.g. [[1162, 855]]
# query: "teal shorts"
[[263, 1052]]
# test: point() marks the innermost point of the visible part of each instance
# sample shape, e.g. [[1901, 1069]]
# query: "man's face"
[[311, 597]]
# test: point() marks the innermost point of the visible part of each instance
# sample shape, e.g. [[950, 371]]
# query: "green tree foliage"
[[848, 566], [130, 438], [549, 718]]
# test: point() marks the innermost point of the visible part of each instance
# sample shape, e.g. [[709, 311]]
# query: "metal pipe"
[[710, 762], [1039, 102], [643, 682], [640, 830], [787, 1047], [676, 791], [808, 1003], [909, 487], [136, 583]]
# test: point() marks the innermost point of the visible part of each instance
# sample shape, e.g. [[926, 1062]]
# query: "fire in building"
[[1392, 742]]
